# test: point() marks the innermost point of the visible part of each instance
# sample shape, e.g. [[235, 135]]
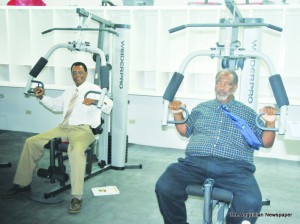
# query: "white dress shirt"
[[81, 114]]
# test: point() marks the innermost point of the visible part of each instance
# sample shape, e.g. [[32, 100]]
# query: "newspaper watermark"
[[257, 215]]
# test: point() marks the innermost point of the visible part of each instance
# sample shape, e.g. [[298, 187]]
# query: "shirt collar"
[[227, 105], [81, 87]]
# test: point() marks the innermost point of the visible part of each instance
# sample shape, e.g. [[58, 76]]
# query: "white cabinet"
[[155, 54]]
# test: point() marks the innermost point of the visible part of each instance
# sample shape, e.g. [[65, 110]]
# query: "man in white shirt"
[[79, 117]]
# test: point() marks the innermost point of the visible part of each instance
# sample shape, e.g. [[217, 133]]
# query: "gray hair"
[[229, 71]]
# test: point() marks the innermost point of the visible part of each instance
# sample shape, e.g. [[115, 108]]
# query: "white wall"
[[20, 113]]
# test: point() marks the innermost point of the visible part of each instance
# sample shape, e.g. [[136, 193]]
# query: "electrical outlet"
[[131, 121], [1, 95], [28, 112]]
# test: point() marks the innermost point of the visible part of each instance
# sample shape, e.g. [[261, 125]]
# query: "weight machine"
[[234, 57], [110, 155]]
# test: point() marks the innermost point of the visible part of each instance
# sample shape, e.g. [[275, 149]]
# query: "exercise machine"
[[110, 155], [232, 56]]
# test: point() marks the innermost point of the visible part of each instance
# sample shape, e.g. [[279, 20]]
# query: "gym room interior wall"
[[150, 67]]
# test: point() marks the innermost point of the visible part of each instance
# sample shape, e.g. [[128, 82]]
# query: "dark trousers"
[[232, 175]]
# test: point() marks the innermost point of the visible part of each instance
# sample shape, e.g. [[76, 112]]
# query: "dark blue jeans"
[[232, 175]]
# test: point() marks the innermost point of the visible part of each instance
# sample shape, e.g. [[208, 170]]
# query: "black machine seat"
[[58, 150], [57, 172], [63, 147], [216, 194]]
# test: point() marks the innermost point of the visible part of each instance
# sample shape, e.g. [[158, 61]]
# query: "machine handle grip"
[[30, 90], [102, 95], [91, 91], [173, 86], [182, 121], [265, 128]]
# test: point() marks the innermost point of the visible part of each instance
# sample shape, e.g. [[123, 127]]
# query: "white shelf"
[[155, 54], [4, 39], [37, 27], [4, 71], [19, 36]]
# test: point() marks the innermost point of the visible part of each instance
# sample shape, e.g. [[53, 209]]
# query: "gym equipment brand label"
[[122, 52]]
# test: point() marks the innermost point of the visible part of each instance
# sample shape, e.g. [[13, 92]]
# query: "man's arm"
[[54, 104]]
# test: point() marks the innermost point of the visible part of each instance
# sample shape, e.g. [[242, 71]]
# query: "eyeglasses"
[[78, 73]]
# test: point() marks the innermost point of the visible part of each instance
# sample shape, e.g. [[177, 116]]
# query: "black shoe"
[[75, 205], [16, 190]]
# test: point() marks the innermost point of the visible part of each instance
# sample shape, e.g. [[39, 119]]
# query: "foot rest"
[[3, 165], [217, 193]]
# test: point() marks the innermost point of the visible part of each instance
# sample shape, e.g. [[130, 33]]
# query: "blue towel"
[[244, 128]]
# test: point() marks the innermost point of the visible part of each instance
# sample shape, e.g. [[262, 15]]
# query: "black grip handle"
[[279, 90], [104, 76], [173, 86], [38, 67]]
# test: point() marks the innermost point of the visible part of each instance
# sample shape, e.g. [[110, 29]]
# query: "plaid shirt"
[[213, 133]]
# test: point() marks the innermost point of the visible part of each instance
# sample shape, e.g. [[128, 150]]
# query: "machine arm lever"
[[31, 90], [81, 29], [265, 128], [270, 26], [102, 94]]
